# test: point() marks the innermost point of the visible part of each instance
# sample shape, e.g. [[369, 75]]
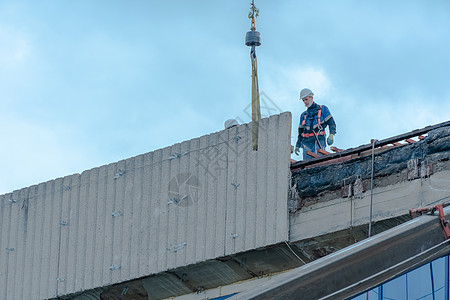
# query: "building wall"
[[200, 199], [387, 202]]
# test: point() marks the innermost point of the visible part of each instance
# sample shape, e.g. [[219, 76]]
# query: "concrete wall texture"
[[204, 198]]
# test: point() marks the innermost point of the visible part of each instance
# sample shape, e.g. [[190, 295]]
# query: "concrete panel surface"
[[388, 202], [197, 200]]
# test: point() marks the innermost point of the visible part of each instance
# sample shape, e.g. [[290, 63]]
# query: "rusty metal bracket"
[[312, 154], [444, 223]]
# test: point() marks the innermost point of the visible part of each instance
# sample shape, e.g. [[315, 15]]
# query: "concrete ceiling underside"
[[236, 268]]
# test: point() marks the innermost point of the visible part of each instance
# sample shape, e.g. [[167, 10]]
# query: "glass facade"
[[428, 282]]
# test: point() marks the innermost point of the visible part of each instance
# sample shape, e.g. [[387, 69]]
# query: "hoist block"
[[252, 38]]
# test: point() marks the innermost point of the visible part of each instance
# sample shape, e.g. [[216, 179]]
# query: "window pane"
[[395, 289], [373, 295], [419, 282]]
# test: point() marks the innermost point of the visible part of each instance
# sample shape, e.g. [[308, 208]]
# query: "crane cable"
[[254, 13]]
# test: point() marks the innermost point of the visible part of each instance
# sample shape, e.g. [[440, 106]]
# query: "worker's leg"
[[322, 141], [308, 145]]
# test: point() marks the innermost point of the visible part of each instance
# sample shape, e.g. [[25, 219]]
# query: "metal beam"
[[361, 266]]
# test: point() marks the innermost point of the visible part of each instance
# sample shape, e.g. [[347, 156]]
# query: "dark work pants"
[[310, 144]]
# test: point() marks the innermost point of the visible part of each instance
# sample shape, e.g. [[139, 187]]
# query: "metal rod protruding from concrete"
[[373, 141]]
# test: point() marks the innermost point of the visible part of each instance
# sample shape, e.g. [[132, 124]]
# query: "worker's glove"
[[330, 139], [297, 150]]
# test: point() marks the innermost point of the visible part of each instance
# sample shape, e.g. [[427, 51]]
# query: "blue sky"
[[84, 83]]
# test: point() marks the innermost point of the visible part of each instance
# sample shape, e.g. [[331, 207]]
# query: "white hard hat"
[[305, 92], [230, 123]]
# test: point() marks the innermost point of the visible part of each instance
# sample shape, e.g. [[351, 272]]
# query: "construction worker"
[[313, 121]]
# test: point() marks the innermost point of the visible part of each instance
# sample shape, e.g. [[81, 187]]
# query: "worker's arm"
[[332, 125], [332, 128], [329, 120]]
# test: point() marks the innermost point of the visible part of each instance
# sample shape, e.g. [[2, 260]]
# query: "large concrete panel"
[[197, 200], [388, 202]]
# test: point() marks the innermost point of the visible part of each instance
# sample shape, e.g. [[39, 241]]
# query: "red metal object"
[[327, 162], [410, 141], [321, 151], [312, 154], [440, 209], [420, 211], [443, 221], [334, 149]]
